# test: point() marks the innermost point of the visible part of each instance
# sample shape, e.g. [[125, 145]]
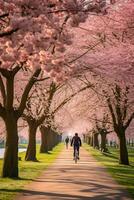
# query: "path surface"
[[65, 180]]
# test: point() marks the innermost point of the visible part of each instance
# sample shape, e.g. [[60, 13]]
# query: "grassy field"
[[27, 172], [123, 174]]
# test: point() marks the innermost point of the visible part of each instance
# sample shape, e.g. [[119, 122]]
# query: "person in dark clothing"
[[76, 143], [67, 141]]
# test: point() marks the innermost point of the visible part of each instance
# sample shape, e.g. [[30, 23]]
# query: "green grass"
[[20, 145], [27, 172], [123, 174]]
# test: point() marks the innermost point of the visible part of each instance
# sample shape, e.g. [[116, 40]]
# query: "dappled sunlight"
[[67, 180], [66, 76]]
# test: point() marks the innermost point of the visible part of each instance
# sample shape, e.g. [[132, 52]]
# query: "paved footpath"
[[65, 180]]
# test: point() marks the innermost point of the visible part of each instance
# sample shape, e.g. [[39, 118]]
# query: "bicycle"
[[76, 156]]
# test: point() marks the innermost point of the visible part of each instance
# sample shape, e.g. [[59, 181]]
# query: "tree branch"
[[2, 111], [8, 33], [69, 98], [112, 113], [125, 105], [3, 92], [4, 15], [10, 92], [51, 94], [16, 70], [5, 72], [129, 121], [42, 79], [27, 90], [83, 54]]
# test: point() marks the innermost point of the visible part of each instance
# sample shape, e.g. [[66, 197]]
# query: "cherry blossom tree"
[[33, 36], [107, 43], [121, 116], [102, 128], [10, 115], [50, 135], [112, 58], [39, 111], [113, 98]]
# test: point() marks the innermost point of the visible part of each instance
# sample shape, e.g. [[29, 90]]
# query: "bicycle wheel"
[[76, 156]]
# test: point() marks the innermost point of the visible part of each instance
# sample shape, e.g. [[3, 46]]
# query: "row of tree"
[[40, 105], [117, 112], [34, 36], [38, 38]]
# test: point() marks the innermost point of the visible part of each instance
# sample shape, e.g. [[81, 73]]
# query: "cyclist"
[[67, 141], [76, 143]]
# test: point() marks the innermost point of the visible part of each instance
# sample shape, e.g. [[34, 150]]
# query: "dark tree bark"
[[95, 140], [10, 164], [44, 139], [120, 119], [123, 149], [31, 149], [88, 140], [50, 140], [91, 140], [10, 116], [103, 141], [54, 138]]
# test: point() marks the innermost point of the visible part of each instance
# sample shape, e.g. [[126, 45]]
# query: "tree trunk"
[[123, 149], [59, 138], [56, 136], [132, 142], [84, 138], [54, 139], [88, 139], [10, 164], [50, 140], [91, 141], [31, 149], [44, 139], [95, 141], [103, 142]]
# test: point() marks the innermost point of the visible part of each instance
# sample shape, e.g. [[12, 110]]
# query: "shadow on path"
[[58, 196], [65, 180]]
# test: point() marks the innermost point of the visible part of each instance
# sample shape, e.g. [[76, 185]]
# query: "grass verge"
[[123, 174], [27, 172]]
